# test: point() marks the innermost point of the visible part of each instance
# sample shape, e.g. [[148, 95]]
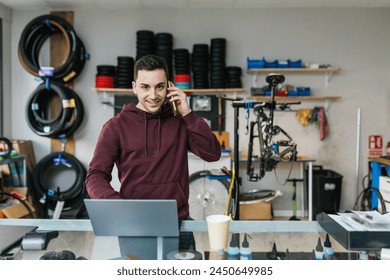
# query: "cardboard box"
[[15, 210], [25, 147], [256, 210]]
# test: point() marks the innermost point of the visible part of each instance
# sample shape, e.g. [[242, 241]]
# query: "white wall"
[[357, 40], [5, 15]]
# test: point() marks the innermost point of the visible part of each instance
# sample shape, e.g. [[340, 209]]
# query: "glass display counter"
[[296, 238]]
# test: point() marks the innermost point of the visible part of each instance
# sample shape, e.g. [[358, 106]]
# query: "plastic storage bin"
[[326, 191], [255, 63], [295, 63]]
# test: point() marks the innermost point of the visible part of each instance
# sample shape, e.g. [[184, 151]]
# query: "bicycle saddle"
[[273, 79]]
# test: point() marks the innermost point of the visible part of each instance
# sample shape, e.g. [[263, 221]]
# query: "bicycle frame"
[[275, 143]]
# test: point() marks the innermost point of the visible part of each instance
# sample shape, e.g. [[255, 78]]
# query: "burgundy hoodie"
[[150, 152]]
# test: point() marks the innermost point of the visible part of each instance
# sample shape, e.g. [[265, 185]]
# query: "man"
[[149, 142]]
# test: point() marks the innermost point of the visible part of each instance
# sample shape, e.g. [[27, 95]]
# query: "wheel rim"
[[207, 197]]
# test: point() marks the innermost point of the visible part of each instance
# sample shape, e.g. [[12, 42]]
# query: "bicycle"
[[213, 192], [275, 144]]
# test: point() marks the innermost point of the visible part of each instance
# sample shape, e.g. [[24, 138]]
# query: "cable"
[[77, 117], [56, 164], [40, 106], [366, 198], [34, 36]]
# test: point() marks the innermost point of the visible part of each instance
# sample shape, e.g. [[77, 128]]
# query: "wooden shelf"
[[327, 71], [215, 90], [115, 91], [294, 98], [294, 70], [126, 91]]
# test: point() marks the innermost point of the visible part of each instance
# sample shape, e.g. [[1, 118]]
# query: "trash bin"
[[326, 192]]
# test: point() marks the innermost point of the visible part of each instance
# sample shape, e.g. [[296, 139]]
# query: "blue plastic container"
[[272, 64], [252, 63], [284, 64], [295, 64], [303, 91]]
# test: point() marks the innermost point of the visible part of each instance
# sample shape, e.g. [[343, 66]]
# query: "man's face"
[[151, 89]]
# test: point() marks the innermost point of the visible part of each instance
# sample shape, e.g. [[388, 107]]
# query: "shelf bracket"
[[105, 100], [328, 75], [254, 79], [327, 104]]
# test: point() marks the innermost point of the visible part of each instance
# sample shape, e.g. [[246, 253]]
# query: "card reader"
[[36, 241]]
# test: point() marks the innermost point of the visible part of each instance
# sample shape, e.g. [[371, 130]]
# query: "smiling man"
[[149, 142]]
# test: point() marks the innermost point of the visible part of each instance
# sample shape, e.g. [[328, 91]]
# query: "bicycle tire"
[[207, 197]]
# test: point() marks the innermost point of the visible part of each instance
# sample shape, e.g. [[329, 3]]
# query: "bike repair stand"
[[294, 198]]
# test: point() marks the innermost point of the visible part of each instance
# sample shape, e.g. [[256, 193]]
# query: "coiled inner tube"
[[40, 106], [61, 172], [7, 152], [37, 32]]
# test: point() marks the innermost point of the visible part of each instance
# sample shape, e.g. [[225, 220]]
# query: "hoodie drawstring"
[[159, 135], [146, 134]]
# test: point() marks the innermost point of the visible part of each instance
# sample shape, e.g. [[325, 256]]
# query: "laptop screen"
[[133, 217]]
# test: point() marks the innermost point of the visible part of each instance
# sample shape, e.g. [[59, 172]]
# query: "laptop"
[[11, 236], [133, 217]]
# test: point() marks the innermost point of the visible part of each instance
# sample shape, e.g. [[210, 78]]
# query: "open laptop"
[[11, 236], [133, 217], [147, 229]]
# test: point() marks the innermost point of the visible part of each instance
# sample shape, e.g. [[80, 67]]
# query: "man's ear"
[[133, 84]]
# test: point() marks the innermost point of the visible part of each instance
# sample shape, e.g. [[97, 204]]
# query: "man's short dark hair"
[[149, 63]]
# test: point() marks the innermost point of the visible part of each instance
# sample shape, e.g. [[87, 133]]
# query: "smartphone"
[[173, 103]]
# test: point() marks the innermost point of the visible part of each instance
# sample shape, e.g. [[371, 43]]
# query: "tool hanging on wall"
[[219, 115], [294, 198]]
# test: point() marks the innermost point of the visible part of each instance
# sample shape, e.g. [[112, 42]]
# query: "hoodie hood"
[[146, 117], [166, 111]]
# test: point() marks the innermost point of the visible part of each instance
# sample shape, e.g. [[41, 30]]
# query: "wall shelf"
[[295, 70], [327, 71], [210, 91], [294, 98]]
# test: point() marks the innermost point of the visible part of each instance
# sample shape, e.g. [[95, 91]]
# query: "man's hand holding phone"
[[178, 99]]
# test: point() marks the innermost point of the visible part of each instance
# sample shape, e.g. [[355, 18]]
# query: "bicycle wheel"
[[207, 196], [232, 211]]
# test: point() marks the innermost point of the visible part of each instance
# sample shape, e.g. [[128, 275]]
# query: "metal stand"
[[237, 105]]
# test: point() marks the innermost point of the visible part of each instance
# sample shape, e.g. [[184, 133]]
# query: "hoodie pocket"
[[170, 190]]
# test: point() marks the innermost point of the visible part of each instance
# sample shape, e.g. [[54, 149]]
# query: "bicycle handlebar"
[[244, 104]]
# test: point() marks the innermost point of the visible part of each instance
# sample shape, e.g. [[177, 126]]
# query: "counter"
[[78, 236]]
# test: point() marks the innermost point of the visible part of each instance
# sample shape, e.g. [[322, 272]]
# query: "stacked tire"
[[105, 76], [144, 43], [124, 72], [217, 63], [233, 77], [182, 68], [200, 66], [163, 47], [55, 110]]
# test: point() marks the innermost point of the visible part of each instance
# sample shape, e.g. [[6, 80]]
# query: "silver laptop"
[[133, 217], [11, 236]]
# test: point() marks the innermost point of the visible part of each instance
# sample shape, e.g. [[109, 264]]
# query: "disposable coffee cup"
[[218, 229]]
